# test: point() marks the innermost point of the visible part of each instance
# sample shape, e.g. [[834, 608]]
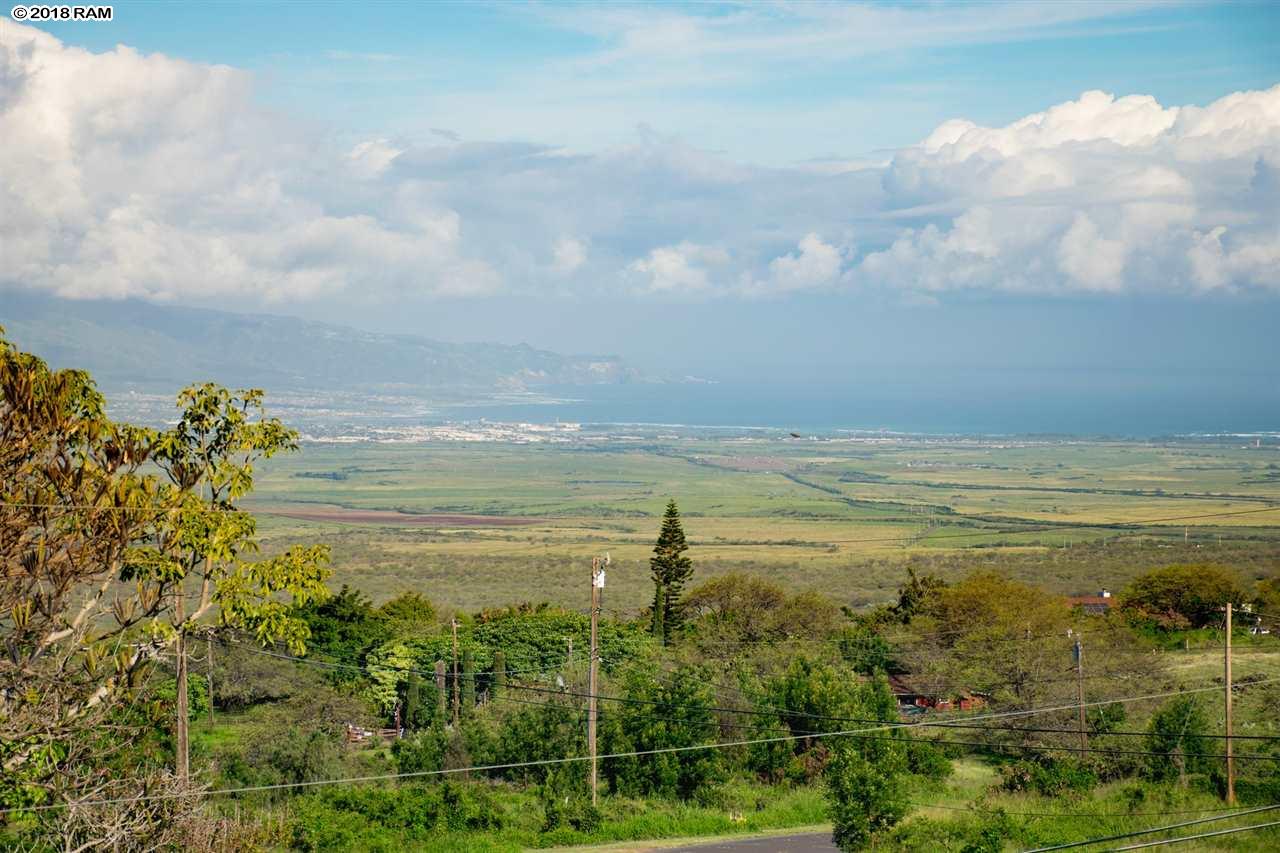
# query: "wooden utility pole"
[[1231, 764], [182, 747], [1084, 732], [208, 656], [456, 696], [597, 584]]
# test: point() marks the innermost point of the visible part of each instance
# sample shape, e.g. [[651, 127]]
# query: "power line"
[[1201, 835], [1033, 730], [1172, 826], [918, 724], [541, 762]]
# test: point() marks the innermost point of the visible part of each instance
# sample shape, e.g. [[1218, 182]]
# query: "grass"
[[839, 517]]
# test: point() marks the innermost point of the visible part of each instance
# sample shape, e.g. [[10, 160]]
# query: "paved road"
[[809, 842]]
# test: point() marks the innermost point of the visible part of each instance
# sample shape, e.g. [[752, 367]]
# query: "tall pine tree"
[[671, 570]]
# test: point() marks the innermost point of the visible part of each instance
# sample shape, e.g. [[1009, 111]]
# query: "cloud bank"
[[141, 175]]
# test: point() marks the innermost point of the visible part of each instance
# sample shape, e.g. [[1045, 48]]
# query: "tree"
[[99, 558], [1183, 596], [671, 571], [208, 457], [863, 798], [864, 777], [1177, 732]]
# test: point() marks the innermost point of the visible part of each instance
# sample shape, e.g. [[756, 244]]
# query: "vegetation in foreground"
[[745, 706]]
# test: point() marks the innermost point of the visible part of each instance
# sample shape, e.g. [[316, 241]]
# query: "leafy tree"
[[740, 607], [408, 613], [865, 784], [1177, 732], [863, 797], [917, 595], [1182, 596], [344, 627], [673, 712], [671, 570], [107, 533], [421, 751]]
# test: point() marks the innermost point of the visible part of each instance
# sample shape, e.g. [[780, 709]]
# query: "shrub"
[[1047, 776], [1183, 596], [864, 798]]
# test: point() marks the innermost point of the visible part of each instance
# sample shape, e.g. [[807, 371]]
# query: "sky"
[[714, 188]]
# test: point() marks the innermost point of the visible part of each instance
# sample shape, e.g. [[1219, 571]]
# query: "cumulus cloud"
[[129, 174], [567, 255], [679, 269], [140, 175], [1099, 194]]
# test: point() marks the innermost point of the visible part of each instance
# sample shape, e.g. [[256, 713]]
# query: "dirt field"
[[343, 515]]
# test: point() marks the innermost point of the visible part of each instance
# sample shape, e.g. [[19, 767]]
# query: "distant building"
[[1092, 605], [913, 698]]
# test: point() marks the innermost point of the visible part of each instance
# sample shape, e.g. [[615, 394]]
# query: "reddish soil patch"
[[385, 516]]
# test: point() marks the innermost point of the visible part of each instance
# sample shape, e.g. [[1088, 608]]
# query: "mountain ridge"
[[140, 344]]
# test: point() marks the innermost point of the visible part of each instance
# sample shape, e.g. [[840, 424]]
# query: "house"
[[1092, 605], [913, 697]]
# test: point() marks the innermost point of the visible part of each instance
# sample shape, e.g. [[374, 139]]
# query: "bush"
[[1177, 730], [1179, 597], [663, 715], [864, 798], [387, 818], [421, 751], [1047, 776]]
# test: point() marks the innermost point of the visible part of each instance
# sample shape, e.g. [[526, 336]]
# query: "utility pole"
[[209, 661], [1084, 732], [1231, 764], [456, 696], [182, 747], [597, 585]]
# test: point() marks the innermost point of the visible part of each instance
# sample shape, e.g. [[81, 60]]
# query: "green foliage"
[[164, 695], [1181, 596], [468, 686], [531, 640], [864, 797], [1048, 776], [541, 732], [741, 608], [564, 804], [978, 833], [671, 570], [918, 595], [344, 627], [660, 715], [408, 613], [1177, 731], [289, 756], [385, 819], [421, 751]]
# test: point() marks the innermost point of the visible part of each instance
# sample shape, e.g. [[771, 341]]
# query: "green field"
[[841, 517]]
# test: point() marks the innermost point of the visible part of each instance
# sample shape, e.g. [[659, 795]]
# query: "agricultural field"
[[475, 524]]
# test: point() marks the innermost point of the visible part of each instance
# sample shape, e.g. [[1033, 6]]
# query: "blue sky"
[[539, 72], [751, 187]]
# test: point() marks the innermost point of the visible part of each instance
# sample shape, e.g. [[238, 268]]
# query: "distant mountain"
[[139, 344]]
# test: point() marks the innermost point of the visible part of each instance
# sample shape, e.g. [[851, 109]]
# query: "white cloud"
[[567, 255], [679, 269], [141, 175], [815, 264], [1098, 194]]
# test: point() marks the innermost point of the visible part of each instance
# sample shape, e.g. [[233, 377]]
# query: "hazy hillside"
[[147, 345]]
